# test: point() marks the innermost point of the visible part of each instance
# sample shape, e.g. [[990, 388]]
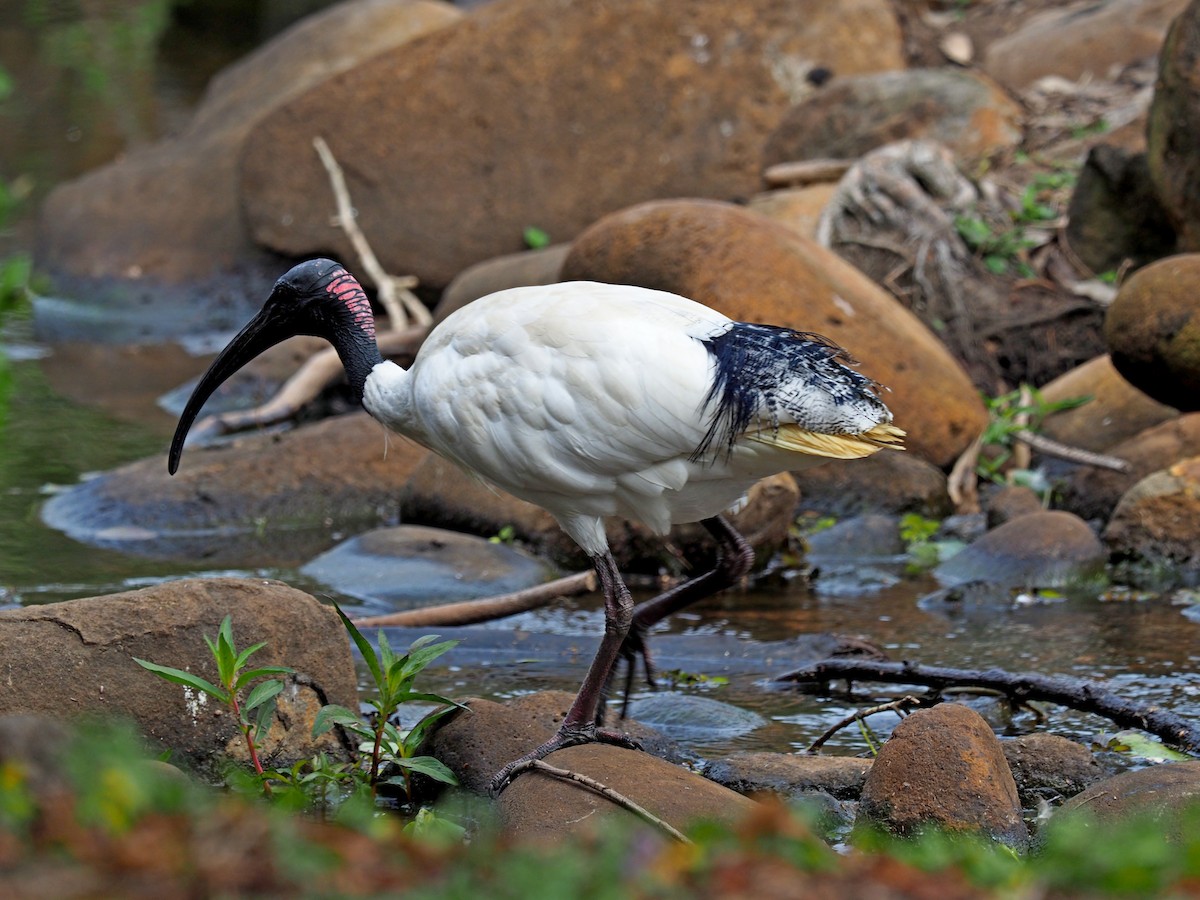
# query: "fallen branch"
[[1085, 696], [901, 707], [487, 609], [1050, 447]]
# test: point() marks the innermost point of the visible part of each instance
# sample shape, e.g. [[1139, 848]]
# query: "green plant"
[[535, 238], [506, 535], [918, 532], [233, 678], [394, 675], [1022, 410]]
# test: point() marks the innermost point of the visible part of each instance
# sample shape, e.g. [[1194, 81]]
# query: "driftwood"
[[1019, 688], [487, 609]]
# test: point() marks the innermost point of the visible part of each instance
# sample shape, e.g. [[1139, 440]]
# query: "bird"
[[590, 400]]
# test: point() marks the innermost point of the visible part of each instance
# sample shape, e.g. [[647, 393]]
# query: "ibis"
[[591, 400]]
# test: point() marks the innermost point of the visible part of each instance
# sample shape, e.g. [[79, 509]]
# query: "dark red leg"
[[579, 725]]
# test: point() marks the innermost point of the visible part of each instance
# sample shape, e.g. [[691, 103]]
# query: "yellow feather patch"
[[835, 446]]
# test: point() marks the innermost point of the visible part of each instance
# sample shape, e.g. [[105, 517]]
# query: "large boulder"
[[169, 211], [1157, 521], [76, 659], [755, 270], [1173, 127], [536, 112]]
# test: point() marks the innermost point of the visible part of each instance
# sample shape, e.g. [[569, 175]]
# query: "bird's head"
[[318, 297]]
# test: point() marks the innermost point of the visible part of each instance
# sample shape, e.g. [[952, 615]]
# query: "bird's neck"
[[359, 355]]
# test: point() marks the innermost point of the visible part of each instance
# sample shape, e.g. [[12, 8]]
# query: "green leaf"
[[332, 714], [262, 693], [364, 646], [535, 238], [416, 734], [249, 675], [426, 765], [246, 654], [187, 679]]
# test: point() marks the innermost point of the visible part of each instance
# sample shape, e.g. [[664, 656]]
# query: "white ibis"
[[591, 400]]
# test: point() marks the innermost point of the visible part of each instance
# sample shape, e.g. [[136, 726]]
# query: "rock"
[[1158, 520], [500, 273], [1153, 331], [169, 212], [848, 117], [755, 270], [273, 499], [690, 719], [1093, 493], [1173, 127], [888, 482], [438, 494], [1116, 411], [1080, 41], [858, 538], [545, 809], [75, 659], [1162, 795], [1115, 217], [790, 776], [409, 566], [1048, 767], [796, 208], [475, 745], [1011, 502], [561, 113], [1042, 549], [943, 768]]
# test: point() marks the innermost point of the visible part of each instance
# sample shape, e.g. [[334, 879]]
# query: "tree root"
[[1085, 696]]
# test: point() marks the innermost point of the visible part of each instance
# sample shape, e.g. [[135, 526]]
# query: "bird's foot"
[[566, 736], [635, 647]]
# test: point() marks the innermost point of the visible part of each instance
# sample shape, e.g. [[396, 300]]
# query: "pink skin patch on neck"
[[345, 288]]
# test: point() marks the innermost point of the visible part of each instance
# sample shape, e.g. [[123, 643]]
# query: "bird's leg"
[[579, 725], [735, 557]]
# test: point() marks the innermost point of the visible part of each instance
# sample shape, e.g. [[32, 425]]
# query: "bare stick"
[[604, 791], [1021, 688], [469, 612], [1051, 447], [394, 293], [962, 484]]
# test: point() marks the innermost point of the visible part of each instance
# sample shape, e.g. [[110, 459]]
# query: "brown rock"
[[1079, 41], [790, 776], [1093, 493], [1047, 766], [755, 270], [1153, 331], [888, 482], [170, 211], [508, 271], [273, 499], [1172, 129], [943, 767], [1158, 519], [964, 110], [1162, 794], [796, 208], [561, 113], [1042, 549], [1011, 502], [1116, 412], [75, 659]]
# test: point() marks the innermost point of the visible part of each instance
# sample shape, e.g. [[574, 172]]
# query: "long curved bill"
[[261, 333]]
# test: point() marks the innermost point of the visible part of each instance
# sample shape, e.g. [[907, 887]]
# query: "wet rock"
[[1011, 502], [943, 768], [755, 270], [1115, 217], [273, 499], [75, 659], [1157, 520], [562, 113], [475, 745], [688, 718], [169, 212], [541, 808], [888, 482], [964, 110], [860, 537], [1076, 42], [438, 494], [409, 566], [1173, 127], [790, 776], [1153, 331], [500, 273], [1116, 412], [1043, 549], [1093, 493], [1162, 795], [1048, 767]]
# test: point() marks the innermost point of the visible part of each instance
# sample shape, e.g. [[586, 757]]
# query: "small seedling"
[[234, 678], [1005, 415], [383, 741]]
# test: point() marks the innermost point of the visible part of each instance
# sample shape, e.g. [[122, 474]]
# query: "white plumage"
[[591, 400]]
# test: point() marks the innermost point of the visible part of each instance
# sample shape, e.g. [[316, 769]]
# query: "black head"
[[318, 297]]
